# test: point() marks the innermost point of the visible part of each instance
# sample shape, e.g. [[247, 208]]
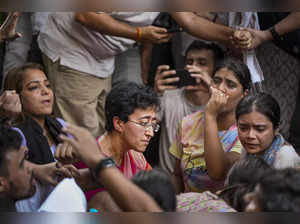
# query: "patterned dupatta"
[[270, 153], [196, 178], [229, 137]]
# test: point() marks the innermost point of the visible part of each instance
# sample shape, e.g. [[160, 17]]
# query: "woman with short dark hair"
[[130, 111]]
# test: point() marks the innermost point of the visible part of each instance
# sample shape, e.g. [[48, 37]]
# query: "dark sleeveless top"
[[37, 143]]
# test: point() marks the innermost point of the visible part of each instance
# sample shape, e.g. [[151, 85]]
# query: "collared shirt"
[[85, 50]]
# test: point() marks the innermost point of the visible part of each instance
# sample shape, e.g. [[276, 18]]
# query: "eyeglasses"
[[147, 126]]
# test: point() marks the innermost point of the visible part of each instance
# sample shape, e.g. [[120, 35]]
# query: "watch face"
[[103, 164]]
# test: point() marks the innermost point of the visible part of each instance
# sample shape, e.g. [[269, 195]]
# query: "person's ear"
[[118, 124], [3, 184]]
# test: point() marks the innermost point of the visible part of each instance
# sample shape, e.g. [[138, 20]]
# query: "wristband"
[[215, 18], [276, 37], [103, 164], [139, 34]]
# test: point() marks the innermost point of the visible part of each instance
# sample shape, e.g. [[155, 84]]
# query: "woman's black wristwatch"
[[103, 164]]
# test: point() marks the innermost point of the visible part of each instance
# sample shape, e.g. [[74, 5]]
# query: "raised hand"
[[242, 39], [84, 145], [203, 79], [8, 28], [155, 34], [163, 81], [64, 154], [258, 37], [10, 104], [216, 102], [53, 173]]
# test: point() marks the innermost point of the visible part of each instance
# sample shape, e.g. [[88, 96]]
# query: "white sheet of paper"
[[66, 197]]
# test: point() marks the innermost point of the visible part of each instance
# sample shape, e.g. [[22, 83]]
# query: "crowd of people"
[[78, 113]]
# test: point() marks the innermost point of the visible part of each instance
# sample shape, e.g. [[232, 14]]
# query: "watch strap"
[[276, 37], [103, 164]]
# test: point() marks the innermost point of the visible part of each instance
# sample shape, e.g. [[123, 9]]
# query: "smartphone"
[[175, 30], [185, 78]]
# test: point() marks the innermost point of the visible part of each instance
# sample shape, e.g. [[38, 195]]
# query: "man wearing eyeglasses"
[[130, 111]]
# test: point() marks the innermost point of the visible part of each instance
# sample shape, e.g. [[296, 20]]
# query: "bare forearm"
[[203, 28], [85, 181], [177, 178], [34, 167], [106, 24], [215, 157], [288, 24], [146, 53], [127, 195], [178, 183]]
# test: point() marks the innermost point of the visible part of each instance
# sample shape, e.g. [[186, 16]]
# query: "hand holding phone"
[[164, 78], [185, 78], [203, 79]]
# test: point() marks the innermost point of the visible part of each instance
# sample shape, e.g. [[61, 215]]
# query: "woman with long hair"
[[207, 142]]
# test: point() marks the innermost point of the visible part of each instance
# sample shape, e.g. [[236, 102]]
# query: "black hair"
[[14, 81], [239, 68], [261, 102], [159, 186], [15, 77], [125, 98], [202, 45], [242, 178], [280, 191], [234, 195], [9, 140], [247, 170]]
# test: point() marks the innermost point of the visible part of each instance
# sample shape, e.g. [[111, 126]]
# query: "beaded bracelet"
[[139, 34]]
